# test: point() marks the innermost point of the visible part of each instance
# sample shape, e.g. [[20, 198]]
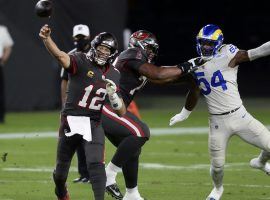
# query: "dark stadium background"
[[32, 76]]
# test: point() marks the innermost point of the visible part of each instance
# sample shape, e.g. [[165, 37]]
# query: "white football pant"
[[240, 123]]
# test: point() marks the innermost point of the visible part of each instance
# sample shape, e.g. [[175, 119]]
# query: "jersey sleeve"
[[75, 61], [134, 58], [231, 51]]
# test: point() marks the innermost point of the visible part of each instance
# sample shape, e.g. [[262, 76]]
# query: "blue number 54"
[[216, 81]]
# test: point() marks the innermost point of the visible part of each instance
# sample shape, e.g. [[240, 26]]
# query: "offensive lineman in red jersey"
[[128, 133]]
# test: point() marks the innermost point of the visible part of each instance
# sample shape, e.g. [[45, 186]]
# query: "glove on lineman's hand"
[[191, 66], [199, 61]]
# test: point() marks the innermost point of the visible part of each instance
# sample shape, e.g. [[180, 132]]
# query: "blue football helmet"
[[209, 40]]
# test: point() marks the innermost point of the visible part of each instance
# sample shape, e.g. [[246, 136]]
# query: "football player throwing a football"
[[81, 39], [91, 78]]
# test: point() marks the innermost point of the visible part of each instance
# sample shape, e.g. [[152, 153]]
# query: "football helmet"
[[145, 40], [104, 39], [209, 40]]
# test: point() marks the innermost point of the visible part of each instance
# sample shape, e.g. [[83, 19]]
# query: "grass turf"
[[184, 158]]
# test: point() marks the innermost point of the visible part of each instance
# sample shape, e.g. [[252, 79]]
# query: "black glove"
[[188, 67], [199, 61]]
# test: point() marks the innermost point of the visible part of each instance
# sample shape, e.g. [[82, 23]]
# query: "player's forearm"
[[6, 54], [160, 74], [168, 73], [261, 51], [117, 104], [163, 81], [166, 76], [192, 99], [122, 110], [62, 57]]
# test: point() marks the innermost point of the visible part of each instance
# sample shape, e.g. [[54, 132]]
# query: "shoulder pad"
[[133, 53]]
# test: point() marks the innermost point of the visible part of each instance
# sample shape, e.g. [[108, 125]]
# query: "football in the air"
[[44, 8]]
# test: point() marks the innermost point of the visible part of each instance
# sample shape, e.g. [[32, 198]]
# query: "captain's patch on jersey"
[[90, 74]]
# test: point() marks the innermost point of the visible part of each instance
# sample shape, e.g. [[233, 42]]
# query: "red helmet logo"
[[140, 35]]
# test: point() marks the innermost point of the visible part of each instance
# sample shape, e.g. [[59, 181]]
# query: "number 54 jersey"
[[218, 81]]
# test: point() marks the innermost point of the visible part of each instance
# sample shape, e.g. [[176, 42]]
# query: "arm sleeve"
[[261, 51], [73, 65], [76, 60]]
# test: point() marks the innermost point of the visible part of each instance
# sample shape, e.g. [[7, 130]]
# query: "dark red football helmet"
[[145, 40]]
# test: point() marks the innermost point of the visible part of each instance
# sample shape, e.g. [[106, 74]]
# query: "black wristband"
[[185, 67]]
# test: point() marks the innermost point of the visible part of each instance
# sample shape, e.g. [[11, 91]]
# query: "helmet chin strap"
[[96, 58], [141, 45], [100, 61]]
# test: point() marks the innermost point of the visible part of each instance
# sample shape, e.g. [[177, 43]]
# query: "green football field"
[[172, 167]]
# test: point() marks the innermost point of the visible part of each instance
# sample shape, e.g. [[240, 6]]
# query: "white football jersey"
[[218, 82]]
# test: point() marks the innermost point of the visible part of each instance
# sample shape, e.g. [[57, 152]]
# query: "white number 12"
[[101, 92]]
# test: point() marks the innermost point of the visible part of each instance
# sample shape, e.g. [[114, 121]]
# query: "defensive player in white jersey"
[[217, 80]]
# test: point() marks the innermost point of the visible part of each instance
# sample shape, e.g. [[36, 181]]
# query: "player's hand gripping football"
[[183, 115], [110, 86], [45, 32]]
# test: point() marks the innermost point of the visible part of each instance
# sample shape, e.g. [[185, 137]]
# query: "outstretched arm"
[[191, 101], [166, 74], [252, 54], [62, 57]]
